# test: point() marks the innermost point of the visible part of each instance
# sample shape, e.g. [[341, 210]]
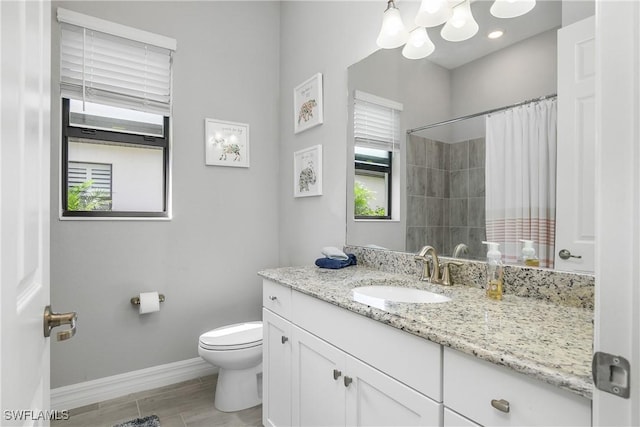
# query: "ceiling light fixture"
[[419, 45], [495, 34], [392, 33], [459, 24], [511, 8]]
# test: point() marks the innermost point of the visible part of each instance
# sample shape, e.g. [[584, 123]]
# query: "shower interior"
[[446, 188]]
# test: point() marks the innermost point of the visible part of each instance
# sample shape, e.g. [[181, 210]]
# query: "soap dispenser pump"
[[529, 257], [495, 271]]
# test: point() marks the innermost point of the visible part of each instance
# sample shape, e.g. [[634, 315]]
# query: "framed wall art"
[[226, 143], [307, 172], [307, 104]]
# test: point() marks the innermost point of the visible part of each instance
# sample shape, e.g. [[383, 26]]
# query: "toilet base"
[[238, 389]]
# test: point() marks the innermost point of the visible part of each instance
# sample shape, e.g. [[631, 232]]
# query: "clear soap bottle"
[[529, 257], [495, 271]]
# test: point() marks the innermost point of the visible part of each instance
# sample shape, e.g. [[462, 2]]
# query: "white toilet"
[[237, 351]]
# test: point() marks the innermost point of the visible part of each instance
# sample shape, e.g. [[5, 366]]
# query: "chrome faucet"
[[429, 274]]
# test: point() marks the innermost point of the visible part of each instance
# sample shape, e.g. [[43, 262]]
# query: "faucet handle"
[[446, 274], [426, 268]]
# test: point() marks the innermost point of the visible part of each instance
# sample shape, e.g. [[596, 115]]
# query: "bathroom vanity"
[[329, 360]]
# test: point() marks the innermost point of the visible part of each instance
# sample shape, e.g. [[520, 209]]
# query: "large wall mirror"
[[440, 173]]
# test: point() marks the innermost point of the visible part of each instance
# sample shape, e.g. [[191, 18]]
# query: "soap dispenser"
[[495, 271], [529, 257]]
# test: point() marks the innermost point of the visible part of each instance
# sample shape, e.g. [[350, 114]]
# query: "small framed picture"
[[307, 104], [226, 143], [307, 172]]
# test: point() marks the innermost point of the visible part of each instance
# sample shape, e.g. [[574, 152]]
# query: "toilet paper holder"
[[136, 300]]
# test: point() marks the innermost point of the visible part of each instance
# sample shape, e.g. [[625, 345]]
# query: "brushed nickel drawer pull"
[[284, 339], [336, 374], [273, 298], [500, 405], [347, 381]]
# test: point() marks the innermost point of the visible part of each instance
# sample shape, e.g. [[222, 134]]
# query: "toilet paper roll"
[[149, 302]]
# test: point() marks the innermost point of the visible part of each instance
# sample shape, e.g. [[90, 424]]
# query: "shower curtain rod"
[[484, 113]]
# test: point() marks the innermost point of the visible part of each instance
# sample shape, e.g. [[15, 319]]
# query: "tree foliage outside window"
[[362, 196], [82, 197]]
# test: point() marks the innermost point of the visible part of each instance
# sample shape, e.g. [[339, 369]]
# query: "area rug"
[[150, 421]]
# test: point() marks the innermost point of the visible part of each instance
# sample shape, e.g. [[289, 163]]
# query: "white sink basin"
[[377, 296]]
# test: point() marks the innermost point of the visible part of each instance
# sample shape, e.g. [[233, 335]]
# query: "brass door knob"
[[53, 320]]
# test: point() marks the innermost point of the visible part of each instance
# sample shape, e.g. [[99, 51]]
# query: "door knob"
[[565, 254], [53, 320]]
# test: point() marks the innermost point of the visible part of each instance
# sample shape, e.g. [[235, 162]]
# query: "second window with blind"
[[376, 130]]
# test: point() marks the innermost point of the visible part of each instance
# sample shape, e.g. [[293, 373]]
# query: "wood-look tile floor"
[[186, 404]]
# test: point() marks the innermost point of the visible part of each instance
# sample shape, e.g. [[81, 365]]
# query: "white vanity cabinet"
[[493, 395], [324, 365], [332, 388], [276, 368]]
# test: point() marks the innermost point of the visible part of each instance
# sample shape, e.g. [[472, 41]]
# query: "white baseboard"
[[86, 393]]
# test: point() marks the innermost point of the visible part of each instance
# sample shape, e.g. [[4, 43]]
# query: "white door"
[[375, 399], [617, 303], [318, 381], [24, 212], [276, 364], [575, 205]]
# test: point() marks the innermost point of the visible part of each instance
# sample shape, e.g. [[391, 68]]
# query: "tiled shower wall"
[[446, 195]]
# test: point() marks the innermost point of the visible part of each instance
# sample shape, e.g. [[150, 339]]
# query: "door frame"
[[617, 294]]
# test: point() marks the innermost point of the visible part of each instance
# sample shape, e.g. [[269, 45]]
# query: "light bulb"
[[419, 45], [433, 13], [392, 33], [461, 26], [511, 8]]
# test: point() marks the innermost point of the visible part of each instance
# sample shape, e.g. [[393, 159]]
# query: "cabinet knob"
[[347, 381], [272, 297], [500, 405], [336, 374], [284, 339]]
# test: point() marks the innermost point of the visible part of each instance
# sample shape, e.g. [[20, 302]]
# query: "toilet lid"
[[238, 335]]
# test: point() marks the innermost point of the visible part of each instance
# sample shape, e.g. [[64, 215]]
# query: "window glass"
[[114, 173], [96, 116], [136, 175]]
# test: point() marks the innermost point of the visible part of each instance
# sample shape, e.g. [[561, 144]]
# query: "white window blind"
[[109, 69], [376, 122]]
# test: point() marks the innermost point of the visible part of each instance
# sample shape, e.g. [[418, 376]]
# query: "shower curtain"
[[521, 180]]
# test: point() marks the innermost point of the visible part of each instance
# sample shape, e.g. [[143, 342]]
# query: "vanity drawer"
[[470, 385], [276, 298]]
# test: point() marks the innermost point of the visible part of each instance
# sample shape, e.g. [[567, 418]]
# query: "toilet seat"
[[233, 337]]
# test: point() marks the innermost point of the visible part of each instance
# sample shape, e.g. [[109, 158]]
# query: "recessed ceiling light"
[[495, 34]]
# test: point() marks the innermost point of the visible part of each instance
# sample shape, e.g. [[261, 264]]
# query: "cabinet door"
[[453, 419], [375, 399], [318, 389], [276, 362]]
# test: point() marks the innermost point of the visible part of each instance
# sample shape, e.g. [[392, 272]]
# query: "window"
[[109, 173], [377, 136], [116, 102]]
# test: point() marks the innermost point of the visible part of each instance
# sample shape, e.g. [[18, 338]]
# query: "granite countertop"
[[550, 342]]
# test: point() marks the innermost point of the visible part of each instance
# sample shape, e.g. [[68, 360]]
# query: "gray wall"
[[326, 37], [225, 224]]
